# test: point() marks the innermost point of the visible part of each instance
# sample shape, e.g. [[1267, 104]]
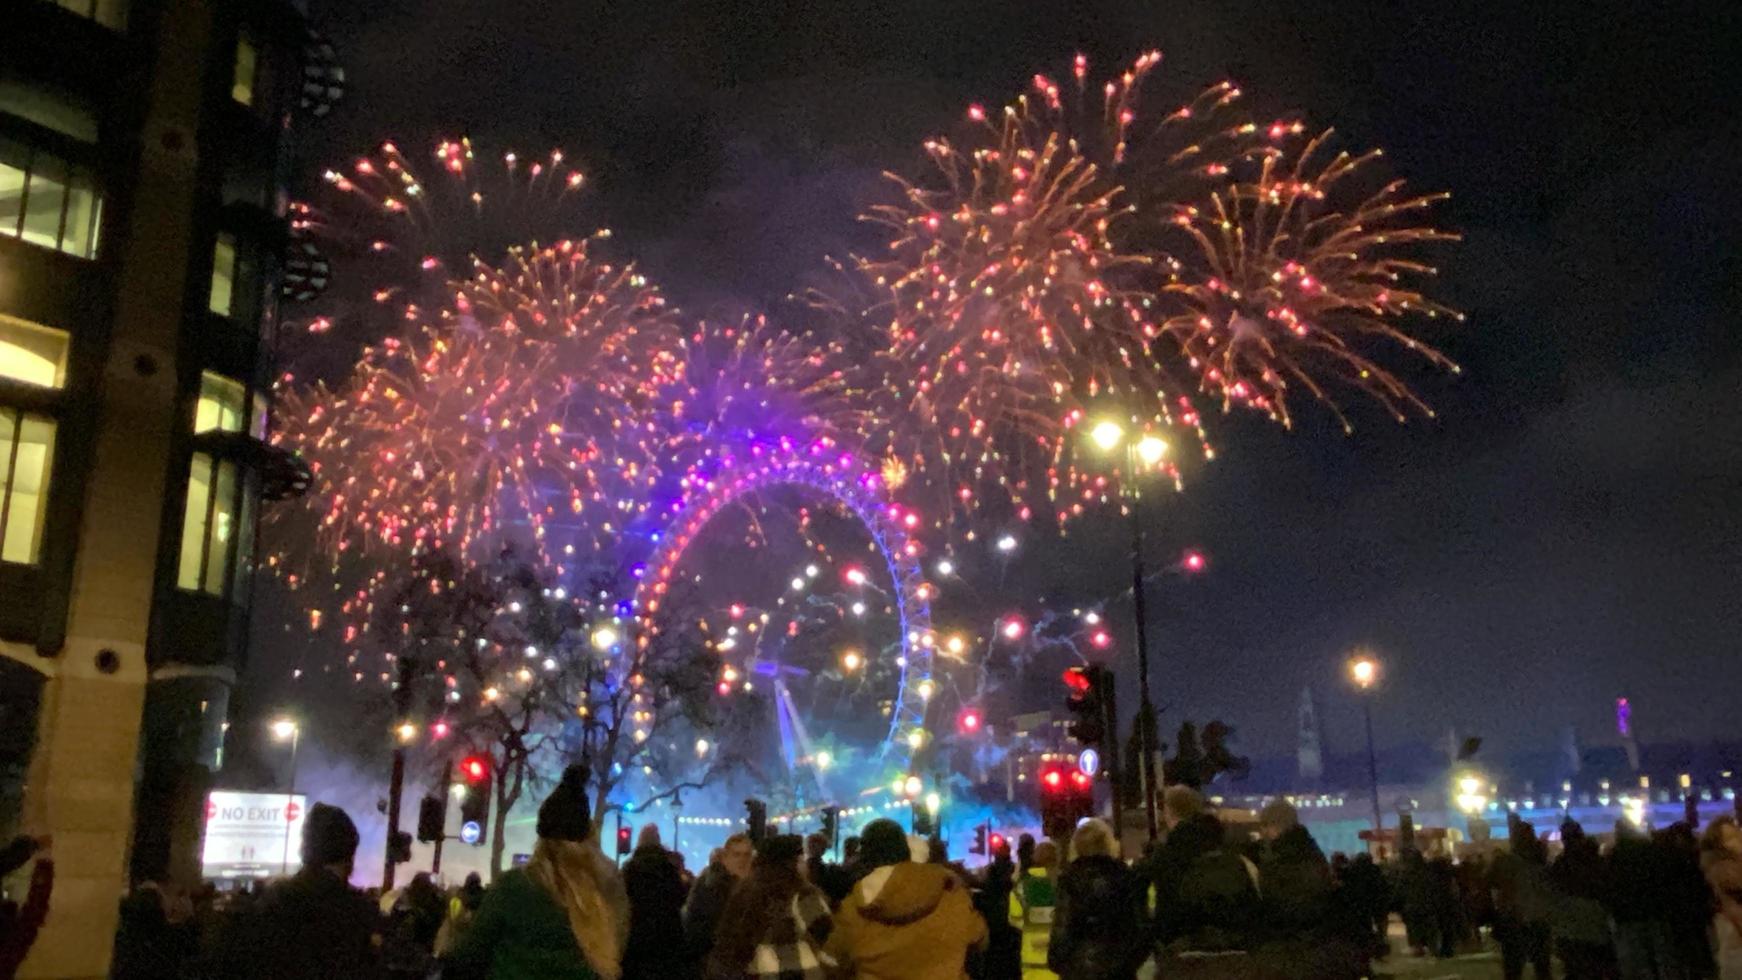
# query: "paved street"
[[1476, 966]]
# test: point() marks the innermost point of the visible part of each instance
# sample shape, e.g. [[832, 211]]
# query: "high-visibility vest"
[[1031, 909]]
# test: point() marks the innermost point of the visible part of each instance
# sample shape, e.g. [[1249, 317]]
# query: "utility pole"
[[396, 781]]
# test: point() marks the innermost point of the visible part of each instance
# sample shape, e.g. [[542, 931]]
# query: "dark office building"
[[142, 235]]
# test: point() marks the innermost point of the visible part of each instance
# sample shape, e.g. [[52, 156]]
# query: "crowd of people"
[[1209, 901]]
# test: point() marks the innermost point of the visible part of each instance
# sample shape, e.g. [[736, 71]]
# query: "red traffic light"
[[1077, 679], [969, 720], [474, 768], [1053, 779], [1079, 779], [995, 842]]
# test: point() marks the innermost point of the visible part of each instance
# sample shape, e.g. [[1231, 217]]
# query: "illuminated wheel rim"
[[856, 486]]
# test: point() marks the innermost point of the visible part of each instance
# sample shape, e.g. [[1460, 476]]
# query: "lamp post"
[[1364, 671], [1147, 451], [286, 728]]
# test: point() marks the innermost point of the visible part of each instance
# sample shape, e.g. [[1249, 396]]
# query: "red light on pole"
[[1053, 779], [995, 843], [1080, 779], [1077, 679], [474, 769]]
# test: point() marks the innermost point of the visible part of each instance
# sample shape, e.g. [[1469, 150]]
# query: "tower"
[[1309, 755]]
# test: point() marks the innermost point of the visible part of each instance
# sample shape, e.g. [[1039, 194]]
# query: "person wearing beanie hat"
[[313, 924], [563, 915], [904, 920]]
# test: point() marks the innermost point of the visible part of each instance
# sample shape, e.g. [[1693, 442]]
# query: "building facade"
[[142, 227]]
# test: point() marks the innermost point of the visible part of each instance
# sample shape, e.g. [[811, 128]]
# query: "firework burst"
[[1082, 253], [1297, 276], [508, 410]]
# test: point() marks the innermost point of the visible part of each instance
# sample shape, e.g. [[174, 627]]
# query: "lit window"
[[26, 452], [223, 274], [242, 87], [32, 354], [208, 526], [221, 406], [47, 203], [110, 13]]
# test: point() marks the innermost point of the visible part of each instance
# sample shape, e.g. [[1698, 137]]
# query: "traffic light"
[[1090, 692], [831, 822], [475, 804], [1067, 795], [475, 769], [922, 821], [756, 819], [432, 819], [979, 845], [399, 847], [622, 840], [998, 846]]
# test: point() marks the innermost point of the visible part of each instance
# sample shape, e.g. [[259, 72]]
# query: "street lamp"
[[1143, 451], [1364, 671], [286, 728]]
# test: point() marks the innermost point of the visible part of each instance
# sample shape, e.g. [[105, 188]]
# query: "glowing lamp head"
[[1364, 671], [1107, 434], [1151, 450], [283, 728]]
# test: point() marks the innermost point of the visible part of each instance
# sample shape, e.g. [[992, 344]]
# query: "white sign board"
[[252, 835]]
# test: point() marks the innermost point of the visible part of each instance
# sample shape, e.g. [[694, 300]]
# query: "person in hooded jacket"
[[904, 920], [1206, 894], [1097, 926], [1003, 957], [1304, 931]]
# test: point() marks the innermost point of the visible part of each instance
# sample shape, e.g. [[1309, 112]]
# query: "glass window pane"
[[80, 235], [242, 88], [26, 454], [223, 274], [244, 562], [193, 521], [44, 198], [223, 529], [221, 406], [11, 198], [31, 353]]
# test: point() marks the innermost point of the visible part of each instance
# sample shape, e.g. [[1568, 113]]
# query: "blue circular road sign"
[[470, 832]]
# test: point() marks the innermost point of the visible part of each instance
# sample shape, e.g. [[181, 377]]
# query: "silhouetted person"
[[1097, 926], [1003, 957], [1369, 898], [314, 924], [708, 897], [1579, 881], [1522, 902], [656, 897], [833, 879]]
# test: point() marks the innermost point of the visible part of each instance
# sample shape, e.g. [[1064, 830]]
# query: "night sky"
[[1568, 530]]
